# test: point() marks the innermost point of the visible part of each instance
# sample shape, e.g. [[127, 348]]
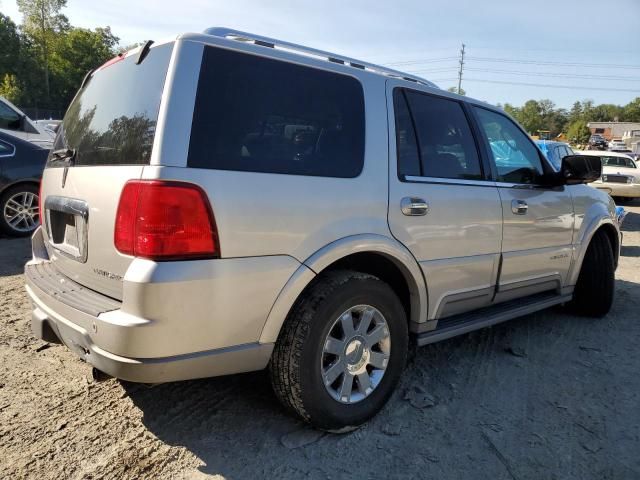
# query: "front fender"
[[319, 261]]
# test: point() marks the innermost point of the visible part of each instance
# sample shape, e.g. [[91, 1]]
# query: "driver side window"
[[8, 118], [515, 157]]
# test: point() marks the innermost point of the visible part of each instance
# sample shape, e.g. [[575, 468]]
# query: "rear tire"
[[594, 292], [19, 212], [301, 363]]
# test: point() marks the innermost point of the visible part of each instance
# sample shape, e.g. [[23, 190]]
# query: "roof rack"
[[312, 52]]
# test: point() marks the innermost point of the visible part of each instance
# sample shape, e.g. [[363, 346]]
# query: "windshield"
[[113, 118]]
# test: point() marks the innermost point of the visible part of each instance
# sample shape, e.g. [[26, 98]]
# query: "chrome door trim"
[[448, 181]]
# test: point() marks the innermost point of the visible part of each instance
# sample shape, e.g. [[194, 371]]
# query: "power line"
[[537, 62], [552, 85], [559, 75], [436, 70], [413, 62], [511, 60]]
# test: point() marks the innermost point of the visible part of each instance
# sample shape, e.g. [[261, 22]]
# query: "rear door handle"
[[414, 207], [519, 207]]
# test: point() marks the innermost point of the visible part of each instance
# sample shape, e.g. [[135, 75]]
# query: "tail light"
[[163, 220]]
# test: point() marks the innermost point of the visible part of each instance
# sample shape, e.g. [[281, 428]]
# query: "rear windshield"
[[261, 115], [112, 120]]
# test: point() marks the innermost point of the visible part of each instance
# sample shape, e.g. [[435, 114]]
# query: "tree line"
[[536, 115], [43, 60]]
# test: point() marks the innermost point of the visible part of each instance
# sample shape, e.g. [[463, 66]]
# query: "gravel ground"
[[546, 396]]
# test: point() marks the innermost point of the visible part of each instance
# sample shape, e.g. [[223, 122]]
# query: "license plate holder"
[[67, 223]]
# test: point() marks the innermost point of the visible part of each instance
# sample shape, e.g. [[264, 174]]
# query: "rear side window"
[[445, 147], [6, 149], [261, 115], [9, 119], [406, 143], [112, 120]]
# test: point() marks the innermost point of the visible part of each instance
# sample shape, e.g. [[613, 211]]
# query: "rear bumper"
[[177, 320], [237, 359], [52, 327]]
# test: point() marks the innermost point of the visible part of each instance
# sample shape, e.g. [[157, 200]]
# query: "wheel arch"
[[604, 224], [374, 254], [22, 181]]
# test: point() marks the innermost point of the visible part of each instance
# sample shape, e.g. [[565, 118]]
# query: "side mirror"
[[578, 169]]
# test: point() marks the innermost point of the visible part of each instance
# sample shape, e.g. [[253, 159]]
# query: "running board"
[[485, 317]]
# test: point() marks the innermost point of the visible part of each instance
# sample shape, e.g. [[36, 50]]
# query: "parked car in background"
[[51, 125], [21, 165], [554, 151], [597, 141], [274, 206], [620, 174], [14, 122], [617, 145]]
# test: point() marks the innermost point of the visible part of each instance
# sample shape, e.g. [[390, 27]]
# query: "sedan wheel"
[[20, 211]]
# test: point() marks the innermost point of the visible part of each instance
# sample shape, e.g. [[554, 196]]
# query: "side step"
[[485, 317]]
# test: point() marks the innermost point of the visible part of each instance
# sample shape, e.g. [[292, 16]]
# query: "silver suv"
[[223, 202]]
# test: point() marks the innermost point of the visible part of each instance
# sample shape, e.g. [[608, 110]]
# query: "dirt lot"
[[545, 396]]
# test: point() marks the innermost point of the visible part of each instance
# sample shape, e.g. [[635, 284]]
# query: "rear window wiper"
[[64, 154], [144, 51]]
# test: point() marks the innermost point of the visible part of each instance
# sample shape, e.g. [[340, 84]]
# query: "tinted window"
[[445, 143], [515, 156], [262, 115], [112, 120], [406, 144], [9, 119]]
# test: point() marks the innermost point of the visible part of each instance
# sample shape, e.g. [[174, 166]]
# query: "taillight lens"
[[163, 220]]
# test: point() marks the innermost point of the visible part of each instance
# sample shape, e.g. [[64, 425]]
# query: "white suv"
[[223, 202]]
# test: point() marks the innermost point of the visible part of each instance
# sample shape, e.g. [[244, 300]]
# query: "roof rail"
[[312, 52]]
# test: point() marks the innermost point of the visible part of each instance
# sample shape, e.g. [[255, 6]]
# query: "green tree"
[[10, 89], [43, 23], [631, 111], [455, 90], [578, 132], [78, 51], [11, 46]]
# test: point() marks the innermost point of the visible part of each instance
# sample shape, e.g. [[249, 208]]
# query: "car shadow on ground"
[[14, 253], [238, 429], [631, 223]]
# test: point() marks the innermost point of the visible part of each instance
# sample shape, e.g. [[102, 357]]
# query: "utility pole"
[[460, 71]]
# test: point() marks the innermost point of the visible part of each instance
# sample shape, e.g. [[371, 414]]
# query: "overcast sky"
[[510, 41]]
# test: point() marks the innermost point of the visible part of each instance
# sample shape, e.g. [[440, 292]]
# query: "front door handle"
[[414, 207], [519, 207]]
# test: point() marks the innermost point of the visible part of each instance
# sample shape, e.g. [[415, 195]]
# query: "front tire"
[[341, 351], [594, 292]]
